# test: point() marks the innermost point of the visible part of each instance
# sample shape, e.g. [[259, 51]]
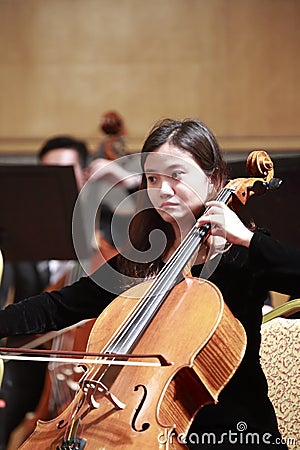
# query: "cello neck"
[[166, 279]]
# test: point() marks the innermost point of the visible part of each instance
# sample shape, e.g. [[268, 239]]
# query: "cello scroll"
[[261, 170]]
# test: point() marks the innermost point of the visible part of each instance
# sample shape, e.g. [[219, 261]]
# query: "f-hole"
[[145, 425]]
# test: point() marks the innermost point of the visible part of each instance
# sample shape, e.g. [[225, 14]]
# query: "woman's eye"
[[151, 179], [176, 174]]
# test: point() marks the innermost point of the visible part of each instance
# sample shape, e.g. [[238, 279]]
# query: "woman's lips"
[[168, 205]]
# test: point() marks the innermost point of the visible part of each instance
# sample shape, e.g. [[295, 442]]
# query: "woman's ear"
[[211, 186], [212, 190]]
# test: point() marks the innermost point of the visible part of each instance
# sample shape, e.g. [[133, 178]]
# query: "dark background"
[[277, 211]]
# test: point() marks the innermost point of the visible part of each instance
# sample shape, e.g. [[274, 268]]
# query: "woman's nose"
[[166, 189]]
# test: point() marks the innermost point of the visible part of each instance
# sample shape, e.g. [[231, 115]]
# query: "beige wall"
[[232, 63]]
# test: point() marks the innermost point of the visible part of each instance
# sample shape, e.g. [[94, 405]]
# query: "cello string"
[[165, 280], [151, 300], [116, 342], [127, 336]]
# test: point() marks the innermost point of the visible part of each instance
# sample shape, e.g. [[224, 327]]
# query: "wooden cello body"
[[151, 407], [189, 332]]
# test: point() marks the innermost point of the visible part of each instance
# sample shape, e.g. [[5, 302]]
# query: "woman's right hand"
[[225, 223]]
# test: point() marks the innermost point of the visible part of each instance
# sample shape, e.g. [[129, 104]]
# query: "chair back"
[[280, 361]]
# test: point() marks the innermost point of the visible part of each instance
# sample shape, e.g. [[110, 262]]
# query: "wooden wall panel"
[[232, 63]]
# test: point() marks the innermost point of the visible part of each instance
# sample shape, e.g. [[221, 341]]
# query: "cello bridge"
[[90, 386]]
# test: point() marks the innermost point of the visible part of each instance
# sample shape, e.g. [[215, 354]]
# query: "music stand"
[[36, 208]]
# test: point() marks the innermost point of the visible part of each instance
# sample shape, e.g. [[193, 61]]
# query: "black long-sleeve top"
[[244, 277]]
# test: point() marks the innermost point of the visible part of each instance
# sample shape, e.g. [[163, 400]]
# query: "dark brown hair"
[[194, 137], [58, 142]]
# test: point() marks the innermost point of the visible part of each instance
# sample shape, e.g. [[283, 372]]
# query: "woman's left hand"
[[225, 223]]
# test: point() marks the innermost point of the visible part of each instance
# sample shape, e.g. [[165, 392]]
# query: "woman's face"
[[176, 185]]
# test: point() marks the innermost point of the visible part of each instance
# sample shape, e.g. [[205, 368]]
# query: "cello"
[[128, 404]]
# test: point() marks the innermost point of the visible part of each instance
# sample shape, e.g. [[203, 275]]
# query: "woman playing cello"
[[183, 170]]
